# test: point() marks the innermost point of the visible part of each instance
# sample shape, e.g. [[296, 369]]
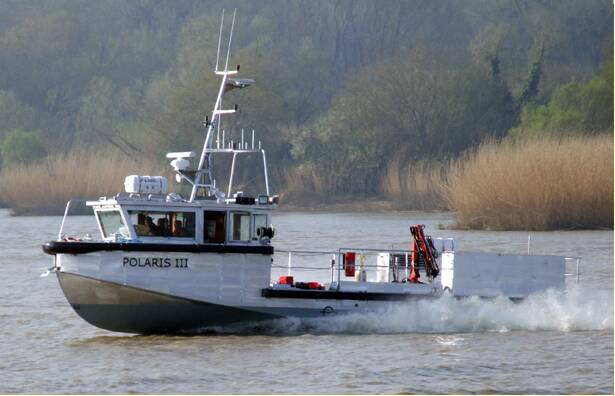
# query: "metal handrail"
[[306, 251], [68, 204], [336, 261], [577, 272]]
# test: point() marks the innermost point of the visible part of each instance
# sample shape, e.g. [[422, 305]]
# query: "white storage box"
[[135, 184]]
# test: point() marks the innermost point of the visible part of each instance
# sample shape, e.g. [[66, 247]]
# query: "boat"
[[167, 263]]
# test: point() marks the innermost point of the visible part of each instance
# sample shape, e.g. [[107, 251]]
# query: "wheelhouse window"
[[214, 227], [163, 224], [111, 223], [241, 226]]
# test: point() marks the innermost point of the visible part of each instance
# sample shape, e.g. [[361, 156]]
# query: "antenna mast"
[[215, 116], [203, 175]]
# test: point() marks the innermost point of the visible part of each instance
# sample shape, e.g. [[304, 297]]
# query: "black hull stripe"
[[341, 295], [57, 247]]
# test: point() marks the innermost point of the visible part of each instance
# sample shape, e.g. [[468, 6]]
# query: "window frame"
[[226, 223], [190, 239], [101, 228], [231, 229], [254, 237]]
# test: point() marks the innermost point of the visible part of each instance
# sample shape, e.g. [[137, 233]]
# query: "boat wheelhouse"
[[154, 220]]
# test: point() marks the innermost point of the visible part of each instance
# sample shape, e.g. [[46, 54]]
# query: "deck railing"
[[575, 263], [319, 262], [286, 261]]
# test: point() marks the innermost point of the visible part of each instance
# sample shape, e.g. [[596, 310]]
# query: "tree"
[[410, 108], [21, 147], [104, 113], [16, 114], [574, 109]]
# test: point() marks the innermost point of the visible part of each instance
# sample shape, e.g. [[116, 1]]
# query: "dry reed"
[[416, 186], [45, 187], [540, 184], [300, 183]]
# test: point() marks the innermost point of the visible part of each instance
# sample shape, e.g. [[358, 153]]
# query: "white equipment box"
[[135, 184], [492, 274]]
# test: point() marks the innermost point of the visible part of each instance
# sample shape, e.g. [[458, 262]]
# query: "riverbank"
[[543, 184], [346, 204]]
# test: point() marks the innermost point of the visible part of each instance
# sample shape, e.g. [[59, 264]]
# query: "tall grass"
[[418, 186], [539, 184], [412, 186], [303, 185], [45, 187]]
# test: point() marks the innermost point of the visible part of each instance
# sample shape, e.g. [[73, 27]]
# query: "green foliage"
[[530, 87], [411, 108], [105, 114], [21, 147], [16, 114], [574, 109]]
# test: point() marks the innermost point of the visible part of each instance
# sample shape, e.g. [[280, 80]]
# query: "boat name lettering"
[[155, 262]]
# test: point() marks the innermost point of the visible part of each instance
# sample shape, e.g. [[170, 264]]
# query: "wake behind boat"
[[166, 263]]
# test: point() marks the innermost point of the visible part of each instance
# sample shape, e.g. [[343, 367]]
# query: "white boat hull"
[[131, 292]]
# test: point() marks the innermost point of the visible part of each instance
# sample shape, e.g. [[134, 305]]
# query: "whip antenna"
[[219, 39], [230, 39]]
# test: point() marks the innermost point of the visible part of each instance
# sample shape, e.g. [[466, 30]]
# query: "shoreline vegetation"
[[472, 108], [545, 183], [45, 187]]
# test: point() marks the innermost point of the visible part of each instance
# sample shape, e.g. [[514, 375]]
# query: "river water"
[[550, 343]]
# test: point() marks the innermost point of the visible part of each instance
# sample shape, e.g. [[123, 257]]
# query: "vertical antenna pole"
[[230, 181], [219, 123], [219, 40], [265, 168], [230, 39], [252, 139]]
